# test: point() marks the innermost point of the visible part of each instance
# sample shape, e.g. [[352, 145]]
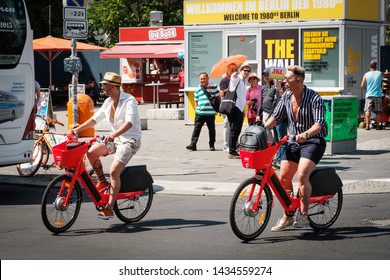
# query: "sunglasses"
[[246, 70]]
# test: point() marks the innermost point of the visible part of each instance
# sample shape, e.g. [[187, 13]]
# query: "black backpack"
[[254, 138]]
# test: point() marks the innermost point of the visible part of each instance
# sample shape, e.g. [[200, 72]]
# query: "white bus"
[[17, 84]]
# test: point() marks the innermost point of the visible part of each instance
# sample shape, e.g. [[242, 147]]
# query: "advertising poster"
[[131, 70], [341, 117], [320, 56], [280, 48], [42, 109]]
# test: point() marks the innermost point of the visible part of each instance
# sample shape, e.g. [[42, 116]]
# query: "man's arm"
[[270, 123], [363, 84]]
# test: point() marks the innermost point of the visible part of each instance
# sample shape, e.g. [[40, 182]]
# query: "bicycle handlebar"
[[71, 137], [48, 121]]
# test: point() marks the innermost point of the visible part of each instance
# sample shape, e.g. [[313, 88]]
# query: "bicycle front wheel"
[[132, 210], [247, 221], [29, 169], [45, 154], [323, 215], [56, 216]]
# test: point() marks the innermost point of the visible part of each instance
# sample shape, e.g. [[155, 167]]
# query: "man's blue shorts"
[[313, 149]]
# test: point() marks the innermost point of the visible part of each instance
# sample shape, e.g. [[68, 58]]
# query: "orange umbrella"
[[220, 67], [50, 47]]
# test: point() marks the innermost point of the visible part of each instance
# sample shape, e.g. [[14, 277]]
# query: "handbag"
[[252, 113], [229, 102], [214, 100]]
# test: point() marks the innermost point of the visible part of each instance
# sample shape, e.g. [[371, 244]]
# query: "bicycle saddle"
[[74, 145]]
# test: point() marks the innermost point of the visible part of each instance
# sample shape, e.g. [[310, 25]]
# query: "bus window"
[[16, 84]]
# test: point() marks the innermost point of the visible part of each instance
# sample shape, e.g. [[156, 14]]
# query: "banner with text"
[[230, 11]]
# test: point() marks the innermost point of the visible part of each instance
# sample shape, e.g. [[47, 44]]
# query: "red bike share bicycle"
[[251, 206], [62, 198]]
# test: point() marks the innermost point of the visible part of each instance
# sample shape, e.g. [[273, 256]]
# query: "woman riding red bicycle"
[[124, 140], [305, 111]]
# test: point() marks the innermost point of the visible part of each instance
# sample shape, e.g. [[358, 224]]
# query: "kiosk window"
[[205, 49], [243, 44]]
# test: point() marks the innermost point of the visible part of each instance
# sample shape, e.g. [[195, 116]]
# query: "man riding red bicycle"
[[305, 111], [124, 140]]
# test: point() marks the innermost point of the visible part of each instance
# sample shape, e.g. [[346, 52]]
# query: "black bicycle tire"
[[335, 214], [121, 209], [46, 154], [236, 211], [49, 200]]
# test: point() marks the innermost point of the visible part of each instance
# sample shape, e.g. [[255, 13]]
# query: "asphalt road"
[[184, 227]]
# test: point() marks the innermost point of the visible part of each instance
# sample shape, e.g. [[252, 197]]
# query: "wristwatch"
[[307, 135]]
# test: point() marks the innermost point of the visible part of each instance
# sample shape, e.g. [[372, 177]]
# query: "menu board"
[[204, 50]]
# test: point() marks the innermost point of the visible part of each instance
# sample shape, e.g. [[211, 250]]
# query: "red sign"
[[151, 34]]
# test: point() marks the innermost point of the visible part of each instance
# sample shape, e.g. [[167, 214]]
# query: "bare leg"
[[305, 168], [94, 153], [368, 116], [115, 172]]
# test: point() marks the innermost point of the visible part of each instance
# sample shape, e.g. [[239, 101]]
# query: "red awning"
[[143, 51]]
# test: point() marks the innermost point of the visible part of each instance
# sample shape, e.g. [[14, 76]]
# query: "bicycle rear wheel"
[[246, 223], [57, 217], [29, 169], [132, 210], [323, 215]]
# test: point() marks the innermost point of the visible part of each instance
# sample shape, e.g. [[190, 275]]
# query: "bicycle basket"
[[53, 139], [258, 159], [66, 156]]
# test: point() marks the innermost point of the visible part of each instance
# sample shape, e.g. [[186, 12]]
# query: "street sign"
[[74, 3], [75, 29], [74, 13]]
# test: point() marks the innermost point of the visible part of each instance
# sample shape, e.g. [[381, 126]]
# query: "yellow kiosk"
[[334, 40]]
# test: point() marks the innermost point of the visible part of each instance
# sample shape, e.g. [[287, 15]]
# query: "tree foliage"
[[42, 22], [105, 17]]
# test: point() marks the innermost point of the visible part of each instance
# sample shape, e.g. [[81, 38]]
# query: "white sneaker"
[[283, 223], [301, 222], [226, 149]]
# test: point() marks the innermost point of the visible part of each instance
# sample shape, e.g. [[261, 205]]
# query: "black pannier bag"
[[254, 138]]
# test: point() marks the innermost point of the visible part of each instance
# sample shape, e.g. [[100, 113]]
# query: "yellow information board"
[[231, 11]]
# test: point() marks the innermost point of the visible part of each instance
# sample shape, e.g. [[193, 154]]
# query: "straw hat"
[[253, 75], [245, 65], [112, 79]]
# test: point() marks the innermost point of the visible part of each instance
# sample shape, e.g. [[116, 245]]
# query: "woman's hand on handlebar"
[[71, 134]]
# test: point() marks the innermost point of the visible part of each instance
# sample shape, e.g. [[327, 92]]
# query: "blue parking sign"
[[74, 3]]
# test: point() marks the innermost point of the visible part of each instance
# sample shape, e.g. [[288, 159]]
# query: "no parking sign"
[[74, 3]]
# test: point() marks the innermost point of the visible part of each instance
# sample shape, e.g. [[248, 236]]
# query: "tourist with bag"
[[253, 98], [204, 112], [270, 95], [236, 118], [224, 87], [214, 100]]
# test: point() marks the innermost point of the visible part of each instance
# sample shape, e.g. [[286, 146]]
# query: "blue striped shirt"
[[204, 107], [311, 111]]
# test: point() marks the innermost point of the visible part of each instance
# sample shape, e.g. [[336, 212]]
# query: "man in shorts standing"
[[372, 83], [124, 140], [305, 113]]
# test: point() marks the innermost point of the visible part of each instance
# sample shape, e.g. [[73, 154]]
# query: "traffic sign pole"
[[75, 27]]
